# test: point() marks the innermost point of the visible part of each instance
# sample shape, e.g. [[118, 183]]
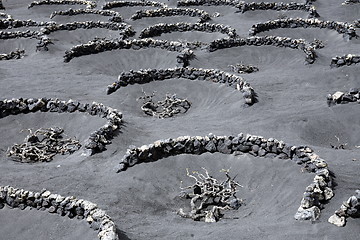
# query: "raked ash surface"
[[125, 180]]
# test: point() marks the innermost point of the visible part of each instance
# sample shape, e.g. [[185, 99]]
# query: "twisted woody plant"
[[209, 197]]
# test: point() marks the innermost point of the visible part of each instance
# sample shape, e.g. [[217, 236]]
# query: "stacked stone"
[[344, 28], [348, 59], [349, 208], [319, 191], [64, 206], [277, 6], [5, 15], [12, 55], [357, 23], [165, 12], [18, 34], [266, 40], [340, 97], [158, 29], [347, 2], [14, 23], [183, 3], [89, 4], [97, 46], [149, 75], [127, 30], [116, 17], [145, 3], [97, 140]]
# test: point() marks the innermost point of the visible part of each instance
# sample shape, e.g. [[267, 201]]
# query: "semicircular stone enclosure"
[[71, 58]]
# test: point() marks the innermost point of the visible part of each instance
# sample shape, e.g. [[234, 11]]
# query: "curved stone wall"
[[12, 55], [277, 6], [344, 28], [158, 29], [347, 59], [89, 4], [353, 95], [349, 2], [211, 75], [349, 208], [126, 29], [19, 34], [98, 46], [318, 192], [165, 12], [115, 16], [14, 23], [97, 140], [64, 206], [307, 48], [145, 3], [234, 3]]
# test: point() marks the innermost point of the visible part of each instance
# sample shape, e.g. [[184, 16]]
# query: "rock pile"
[[158, 29], [63, 206], [89, 4], [340, 97], [165, 12], [349, 208], [12, 55], [308, 49], [126, 29], [318, 192], [97, 140], [344, 28], [97, 46], [115, 16], [348, 59], [277, 6], [212, 75], [144, 3]]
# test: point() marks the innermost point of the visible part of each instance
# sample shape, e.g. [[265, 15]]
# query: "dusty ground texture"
[[143, 200]]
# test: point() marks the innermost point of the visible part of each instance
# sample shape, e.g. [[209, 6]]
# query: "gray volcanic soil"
[[143, 200]]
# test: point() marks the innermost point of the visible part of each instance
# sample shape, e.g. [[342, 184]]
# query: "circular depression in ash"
[[113, 62], [149, 192], [13, 129], [41, 225]]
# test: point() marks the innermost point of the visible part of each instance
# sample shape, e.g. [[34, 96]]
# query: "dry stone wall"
[[353, 95], [317, 193], [89, 4], [165, 12], [212, 75], [115, 16], [97, 140], [277, 6], [158, 29], [347, 59], [348, 30], [349, 208], [183, 3], [301, 44], [12, 55], [97, 46], [64, 206], [126, 29], [116, 4]]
